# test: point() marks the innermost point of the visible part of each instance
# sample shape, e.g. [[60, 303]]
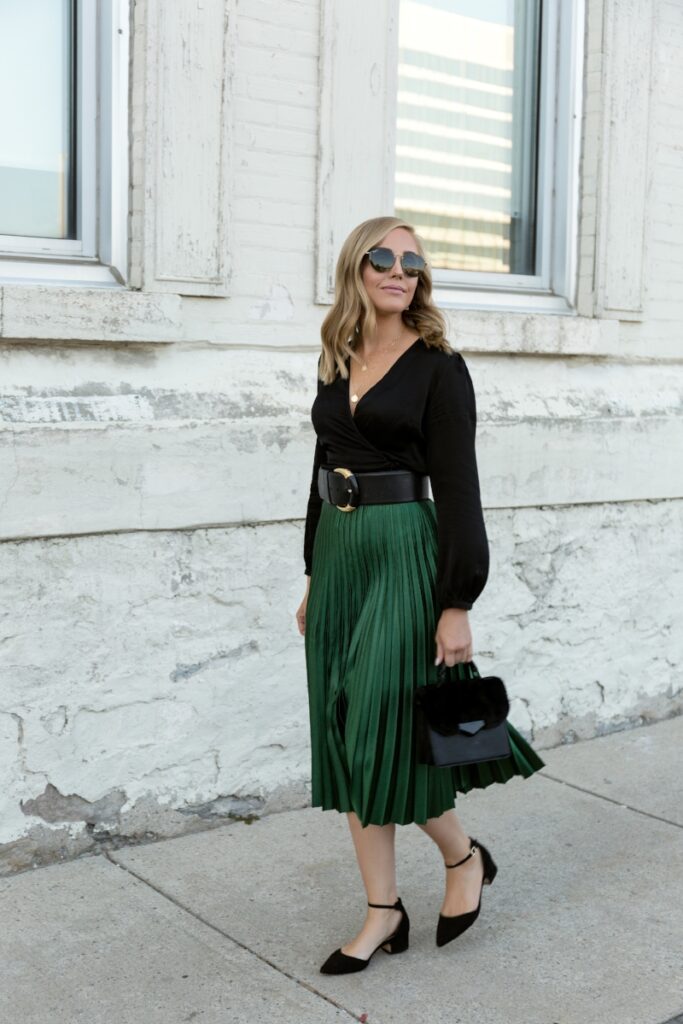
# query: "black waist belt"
[[347, 490]]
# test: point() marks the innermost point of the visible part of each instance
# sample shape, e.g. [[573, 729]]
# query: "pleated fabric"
[[369, 642]]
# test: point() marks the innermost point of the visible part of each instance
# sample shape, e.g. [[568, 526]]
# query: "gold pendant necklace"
[[356, 397]]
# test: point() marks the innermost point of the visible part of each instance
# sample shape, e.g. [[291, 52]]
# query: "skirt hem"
[[522, 763]]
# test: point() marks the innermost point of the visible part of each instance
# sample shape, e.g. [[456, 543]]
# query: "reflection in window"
[[467, 126], [37, 138]]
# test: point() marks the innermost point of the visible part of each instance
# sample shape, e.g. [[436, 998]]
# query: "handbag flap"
[[472, 727]]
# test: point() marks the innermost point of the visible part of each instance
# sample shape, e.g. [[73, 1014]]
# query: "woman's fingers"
[[452, 655], [455, 655], [453, 637]]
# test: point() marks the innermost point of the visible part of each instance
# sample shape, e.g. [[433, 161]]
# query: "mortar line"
[[239, 524], [242, 945], [617, 803]]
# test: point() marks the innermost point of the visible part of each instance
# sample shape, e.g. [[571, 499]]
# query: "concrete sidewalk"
[[583, 924]]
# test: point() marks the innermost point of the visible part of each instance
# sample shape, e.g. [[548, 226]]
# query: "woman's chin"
[[395, 304]]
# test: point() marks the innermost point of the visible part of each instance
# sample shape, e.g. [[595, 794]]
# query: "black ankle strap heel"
[[397, 942], [450, 927]]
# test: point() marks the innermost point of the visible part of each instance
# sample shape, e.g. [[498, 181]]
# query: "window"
[[486, 161], [62, 139]]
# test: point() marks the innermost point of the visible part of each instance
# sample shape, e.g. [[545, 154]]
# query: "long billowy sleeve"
[[450, 428], [313, 510]]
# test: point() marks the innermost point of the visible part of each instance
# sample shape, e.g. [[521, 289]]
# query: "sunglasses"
[[383, 259]]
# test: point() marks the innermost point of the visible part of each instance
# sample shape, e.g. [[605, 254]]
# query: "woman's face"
[[391, 291]]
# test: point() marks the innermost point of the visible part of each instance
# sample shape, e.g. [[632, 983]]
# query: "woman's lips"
[[388, 288]]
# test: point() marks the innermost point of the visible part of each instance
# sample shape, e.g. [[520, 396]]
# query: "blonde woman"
[[392, 574]]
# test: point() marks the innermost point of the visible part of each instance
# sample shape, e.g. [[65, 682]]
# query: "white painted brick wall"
[[149, 585], [166, 667]]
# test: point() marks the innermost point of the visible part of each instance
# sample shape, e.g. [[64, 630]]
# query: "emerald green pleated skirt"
[[369, 642]]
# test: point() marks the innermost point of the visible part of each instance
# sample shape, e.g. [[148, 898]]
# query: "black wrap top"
[[421, 415]]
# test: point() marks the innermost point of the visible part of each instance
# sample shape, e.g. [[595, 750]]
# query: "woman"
[[391, 577]]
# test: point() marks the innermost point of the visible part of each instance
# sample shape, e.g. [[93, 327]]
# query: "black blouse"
[[421, 415]]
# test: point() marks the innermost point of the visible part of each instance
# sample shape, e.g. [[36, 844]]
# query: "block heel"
[[397, 942]]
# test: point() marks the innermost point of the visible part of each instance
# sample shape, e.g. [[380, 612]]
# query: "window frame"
[[99, 256], [553, 288]]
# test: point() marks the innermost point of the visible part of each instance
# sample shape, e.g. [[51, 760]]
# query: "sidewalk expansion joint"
[[225, 935], [629, 807]]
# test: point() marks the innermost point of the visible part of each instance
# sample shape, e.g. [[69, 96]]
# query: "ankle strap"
[[387, 906], [470, 854]]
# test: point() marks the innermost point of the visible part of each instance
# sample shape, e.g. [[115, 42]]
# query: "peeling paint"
[[146, 405], [53, 806], [150, 576], [143, 702]]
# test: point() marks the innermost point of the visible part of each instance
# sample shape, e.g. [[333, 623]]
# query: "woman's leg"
[[463, 884], [377, 863]]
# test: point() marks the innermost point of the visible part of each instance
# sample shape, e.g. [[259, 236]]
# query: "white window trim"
[[365, 76], [553, 289], [102, 38]]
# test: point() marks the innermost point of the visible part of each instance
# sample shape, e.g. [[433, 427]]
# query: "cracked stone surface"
[[108, 947], [53, 806], [154, 683]]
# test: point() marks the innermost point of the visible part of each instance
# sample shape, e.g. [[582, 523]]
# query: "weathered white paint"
[[357, 124], [167, 666], [152, 495], [622, 248], [265, 319], [189, 65], [51, 313], [147, 457]]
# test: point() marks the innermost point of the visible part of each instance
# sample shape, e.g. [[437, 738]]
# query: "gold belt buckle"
[[352, 489]]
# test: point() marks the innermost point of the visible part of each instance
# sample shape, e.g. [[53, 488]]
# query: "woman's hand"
[[453, 637], [301, 610]]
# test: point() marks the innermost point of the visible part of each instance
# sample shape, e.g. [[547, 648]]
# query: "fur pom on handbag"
[[447, 704], [462, 721]]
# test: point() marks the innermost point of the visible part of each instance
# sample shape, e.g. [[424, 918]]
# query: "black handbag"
[[463, 720]]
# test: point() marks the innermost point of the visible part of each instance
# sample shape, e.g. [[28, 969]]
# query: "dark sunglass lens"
[[412, 263], [381, 259]]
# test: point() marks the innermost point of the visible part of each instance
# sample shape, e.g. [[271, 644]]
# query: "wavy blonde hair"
[[353, 314]]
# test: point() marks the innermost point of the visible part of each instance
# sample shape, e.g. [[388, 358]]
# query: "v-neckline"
[[353, 410]]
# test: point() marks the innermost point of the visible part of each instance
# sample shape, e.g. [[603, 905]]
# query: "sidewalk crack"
[[629, 807], [225, 935]]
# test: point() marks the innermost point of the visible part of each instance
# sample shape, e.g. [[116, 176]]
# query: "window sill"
[[65, 274], [65, 311], [536, 333], [501, 300]]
